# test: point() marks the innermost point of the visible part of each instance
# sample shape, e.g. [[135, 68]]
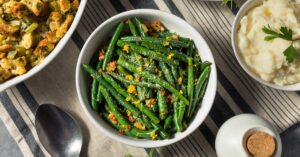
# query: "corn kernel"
[[170, 56], [126, 48], [181, 92], [139, 126], [136, 102], [131, 89], [128, 99], [166, 43], [129, 77], [140, 69], [180, 80], [153, 135]]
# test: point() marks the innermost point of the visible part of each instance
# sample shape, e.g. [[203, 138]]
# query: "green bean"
[[114, 109], [149, 53], [151, 153], [174, 71], [154, 108], [141, 27], [94, 88], [190, 86], [191, 49], [173, 43], [122, 71], [141, 83], [161, 131], [202, 92], [184, 90], [149, 64], [132, 28], [112, 44], [119, 52], [141, 133], [120, 99], [181, 111], [131, 58], [177, 55], [152, 78], [177, 123], [199, 89], [134, 132], [169, 34], [167, 73], [175, 74], [197, 66], [141, 93], [168, 122], [204, 65], [114, 93], [96, 94], [162, 105], [134, 99], [147, 122], [99, 95]]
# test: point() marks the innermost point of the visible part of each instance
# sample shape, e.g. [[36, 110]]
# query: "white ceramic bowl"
[[102, 33], [233, 134], [59, 46], [250, 4]]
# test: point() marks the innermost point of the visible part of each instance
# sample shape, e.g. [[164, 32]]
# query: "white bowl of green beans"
[[146, 78]]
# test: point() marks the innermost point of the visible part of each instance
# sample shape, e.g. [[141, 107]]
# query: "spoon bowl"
[[58, 132]]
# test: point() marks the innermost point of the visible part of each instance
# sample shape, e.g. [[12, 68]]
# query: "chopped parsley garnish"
[[286, 34], [291, 53]]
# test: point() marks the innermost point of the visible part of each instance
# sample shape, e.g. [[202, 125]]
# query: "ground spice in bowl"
[[261, 144]]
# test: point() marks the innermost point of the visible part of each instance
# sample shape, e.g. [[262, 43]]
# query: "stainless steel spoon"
[[58, 132]]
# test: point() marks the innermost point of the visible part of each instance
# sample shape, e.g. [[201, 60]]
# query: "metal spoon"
[[58, 131]]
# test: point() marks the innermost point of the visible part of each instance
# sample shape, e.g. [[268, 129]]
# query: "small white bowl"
[[59, 46], [102, 33], [233, 134], [250, 4]]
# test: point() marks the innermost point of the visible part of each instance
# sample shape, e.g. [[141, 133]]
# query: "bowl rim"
[[48, 59], [248, 5], [157, 143]]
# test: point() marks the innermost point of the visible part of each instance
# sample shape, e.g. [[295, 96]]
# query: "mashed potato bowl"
[[249, 5]]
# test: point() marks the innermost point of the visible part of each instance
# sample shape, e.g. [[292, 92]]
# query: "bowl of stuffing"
[[32, 33], [146, 78]]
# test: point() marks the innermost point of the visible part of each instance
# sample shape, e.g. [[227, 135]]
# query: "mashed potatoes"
[[266, 58]]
